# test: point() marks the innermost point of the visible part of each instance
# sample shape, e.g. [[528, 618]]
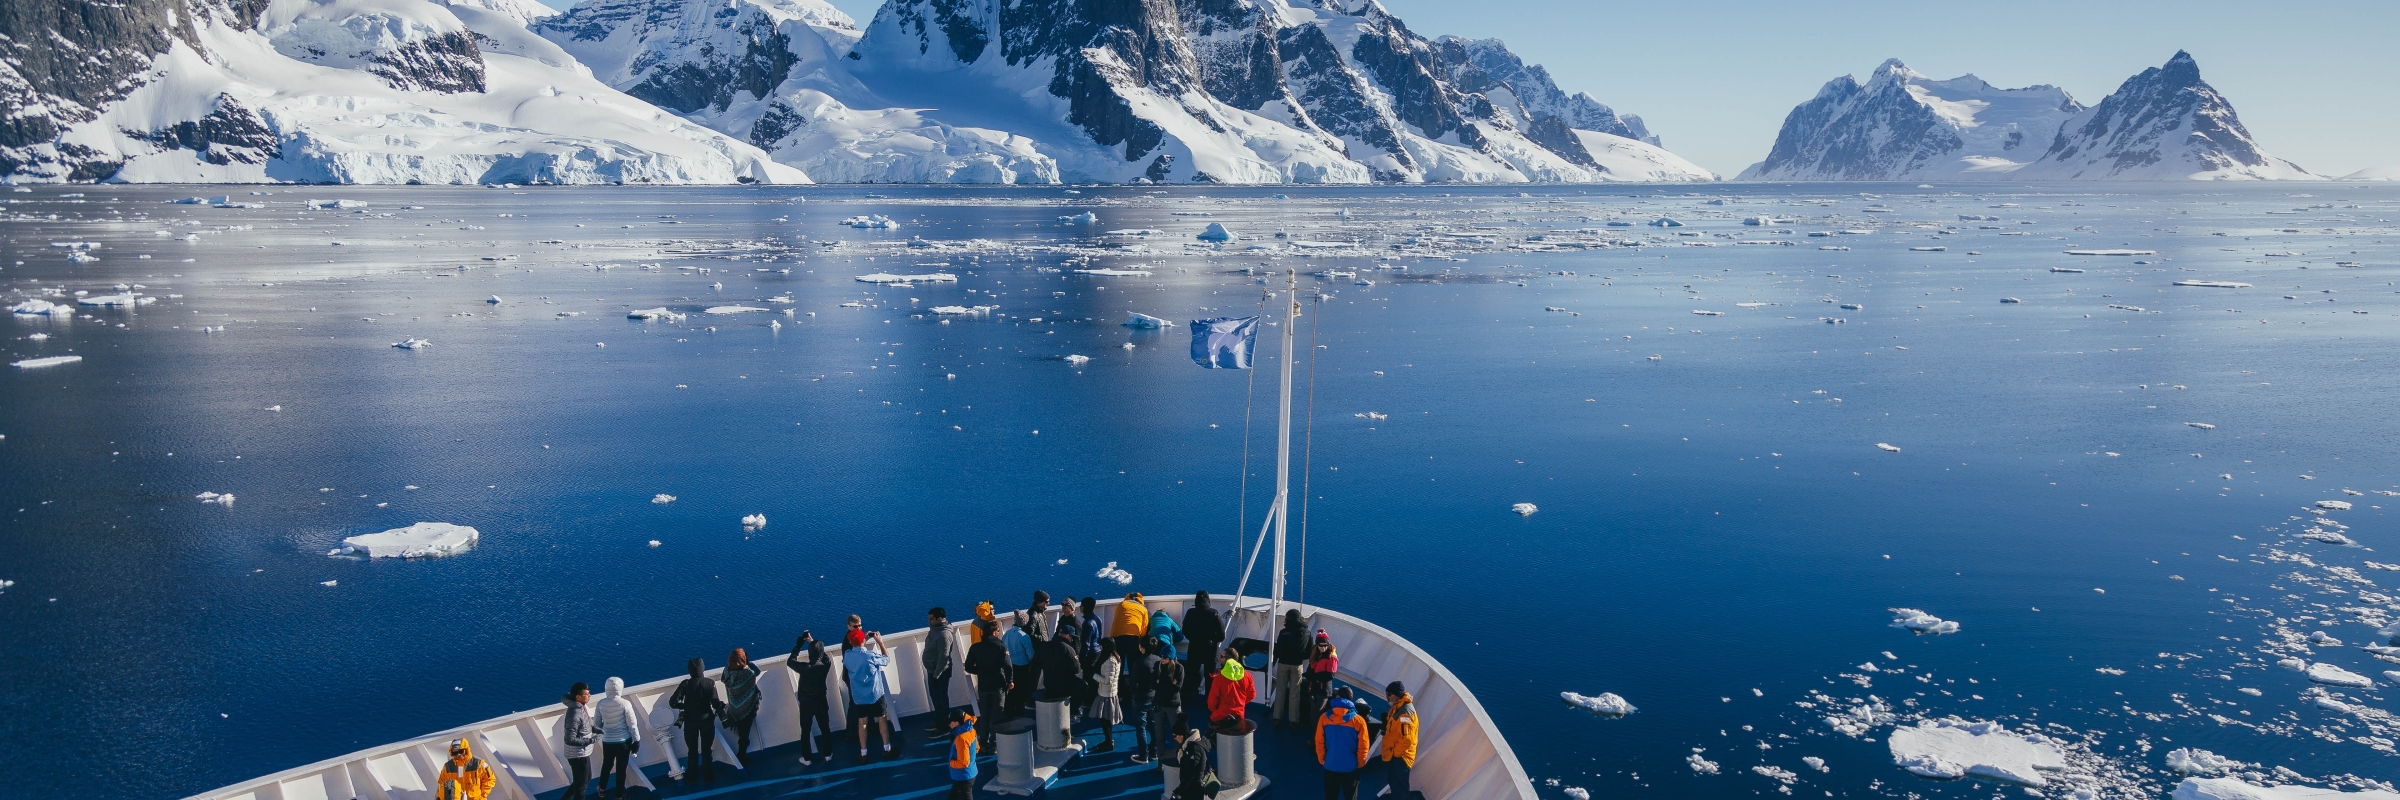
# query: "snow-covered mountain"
[[2385, 173], [1040, 91], [347, 91], [1902, 125], [2163, 124], [969, 91]]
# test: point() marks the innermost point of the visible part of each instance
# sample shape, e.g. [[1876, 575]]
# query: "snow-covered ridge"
[[2163, 124]]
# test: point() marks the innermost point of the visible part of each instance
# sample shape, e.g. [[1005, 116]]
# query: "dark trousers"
[[1137, 716], [580, 770], [1164, 721], [819, 714], [938, 690], [1200, 662], [962, 790], [613, 758], [1341, 785], [1020, 699], [699, 747], [740, 728], [1395, 772], [990, 713]]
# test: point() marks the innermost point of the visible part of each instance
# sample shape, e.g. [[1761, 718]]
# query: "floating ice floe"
[[49, 361], [1956, 748], [2334, 505], [2010, 300], [422, 540], [1107, 272], [39, 307], [1085, 218], [2215, 284], [930, 277], [2202, 425], [116, 300], [1135, 319], [1886, 447], [1606, 704], [2331, 675], [2112, 252], [1700, 765], [754, 521], [1524, 509], [1576, 793], [1815, 763], [2236, 789], [215, 499], [733, 309], [1114, 575], [1933, 249], [413, 344], [1759, 221], [662, 498], [1921, 622], [870, 221], [1216, 232], [653, 313], [2194, 761], [1665, 222], [1078, 360], [493, 300]]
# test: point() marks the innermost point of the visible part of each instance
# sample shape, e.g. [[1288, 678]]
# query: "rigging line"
[[1242, 503], [1308, 440]]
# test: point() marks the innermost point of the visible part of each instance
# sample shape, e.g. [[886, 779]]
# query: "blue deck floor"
[[919, 769]]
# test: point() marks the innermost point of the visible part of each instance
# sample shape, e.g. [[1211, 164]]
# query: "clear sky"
[[2316, 81]]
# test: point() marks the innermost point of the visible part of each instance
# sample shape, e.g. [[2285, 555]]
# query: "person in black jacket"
[[1291, 665], [1206, 631], [811, 666], [1060, 666], [1191, 765], [988, 665], [1166, 700], [697, 699]]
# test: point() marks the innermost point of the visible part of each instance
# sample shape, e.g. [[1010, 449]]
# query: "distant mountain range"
[[788, 91], [2163, 124]]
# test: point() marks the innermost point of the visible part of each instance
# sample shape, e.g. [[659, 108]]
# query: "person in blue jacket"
[[962, 755], [862, 668], [1341, 745]]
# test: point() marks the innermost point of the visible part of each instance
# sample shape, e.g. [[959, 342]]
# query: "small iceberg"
[[648, 314], [1135, 319], [871, 221], [2009, 300], [1078, 360], [2112, 252], [1524, 509], [733, 309], [422, 540], [494, 300], [413, 343], [2069, 270], [1921, 622], [662, 498], [1112, 574], [1216, 232], [2202, 425], [1608, 704], [1886, 447], [2331, 675], [51, 361], [1085, 218], [2334, 505], [753, 522], [1665, 222], [212, 498], [1107, 272], [37, 307], [929, 277], [2215, 284], [2194, 761]]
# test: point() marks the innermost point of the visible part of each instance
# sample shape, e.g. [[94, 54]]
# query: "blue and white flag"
[[1224, 342]]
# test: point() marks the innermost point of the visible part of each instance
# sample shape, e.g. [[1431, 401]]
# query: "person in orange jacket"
[[963, 746], [1399, 749], [983, 613], [1128, 626], [1341, 745], [1230, 690], [464, 777]]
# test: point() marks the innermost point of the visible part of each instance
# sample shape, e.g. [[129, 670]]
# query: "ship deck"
[[919, 768]]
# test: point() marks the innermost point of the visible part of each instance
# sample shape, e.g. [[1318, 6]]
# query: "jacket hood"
[[614, 688], [1233, 671], [1342, 705]]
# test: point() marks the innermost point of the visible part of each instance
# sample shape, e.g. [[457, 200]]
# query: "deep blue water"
[[1709, 524]]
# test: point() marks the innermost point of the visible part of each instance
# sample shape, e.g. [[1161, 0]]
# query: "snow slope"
[[1902, 125], [1622, 159], [2390, 173], [395, 91]]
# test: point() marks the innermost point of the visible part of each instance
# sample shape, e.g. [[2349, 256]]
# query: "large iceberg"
[[1954, 748], [422, 540]]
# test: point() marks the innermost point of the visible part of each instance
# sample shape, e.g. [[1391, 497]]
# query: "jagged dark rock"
[[232, 133], [71, 58], [2164, 122], [449, 63]]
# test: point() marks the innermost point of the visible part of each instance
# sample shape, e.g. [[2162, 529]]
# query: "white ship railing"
[[1460, 753]]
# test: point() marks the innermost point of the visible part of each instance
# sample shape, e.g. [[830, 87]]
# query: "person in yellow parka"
[[1130, 625], [464, 777], [1399, 748], [983, 612]]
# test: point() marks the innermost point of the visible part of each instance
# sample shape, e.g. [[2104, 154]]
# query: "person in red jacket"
[[1229, 690]]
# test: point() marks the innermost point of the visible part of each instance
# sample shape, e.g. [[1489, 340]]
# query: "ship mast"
[[1283, 474]]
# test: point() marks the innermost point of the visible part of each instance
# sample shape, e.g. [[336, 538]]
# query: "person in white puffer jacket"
[[620, 736]]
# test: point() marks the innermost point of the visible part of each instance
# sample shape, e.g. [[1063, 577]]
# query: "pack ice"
[[422, 540], [2235, 789]]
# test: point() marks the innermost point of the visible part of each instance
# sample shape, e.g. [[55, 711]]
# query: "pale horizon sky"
[[2317, 83]]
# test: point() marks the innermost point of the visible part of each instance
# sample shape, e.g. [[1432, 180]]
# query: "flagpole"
[[1283, 454]]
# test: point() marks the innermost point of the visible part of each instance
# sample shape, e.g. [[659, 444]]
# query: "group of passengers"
[[1138, 668]]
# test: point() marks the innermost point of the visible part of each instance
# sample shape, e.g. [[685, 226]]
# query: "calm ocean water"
[[1719, 536]]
